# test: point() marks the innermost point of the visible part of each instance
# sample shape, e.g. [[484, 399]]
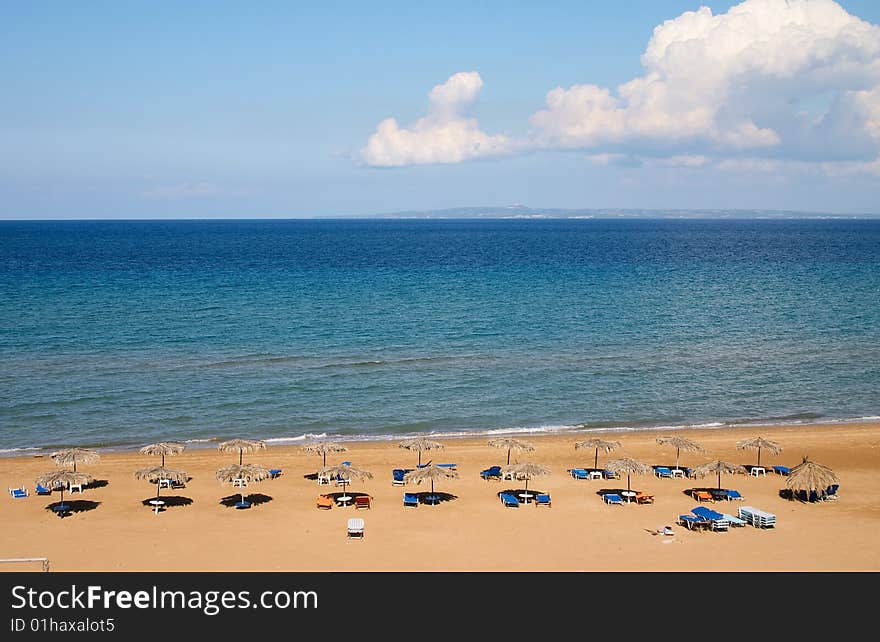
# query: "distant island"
[[522, 211]]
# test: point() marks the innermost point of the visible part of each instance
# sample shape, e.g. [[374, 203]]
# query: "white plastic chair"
[[356, 528]]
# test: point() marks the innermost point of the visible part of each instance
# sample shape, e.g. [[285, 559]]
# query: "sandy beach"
[[472, 531]]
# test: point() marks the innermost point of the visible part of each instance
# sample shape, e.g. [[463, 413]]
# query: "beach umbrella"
[[757, 443], [241, 446], [324, 447], [808, 476], [430, 472], [420, 444], [63, 478], [629, 466], [162, 448], [246, 472], [680, 443], [74, 456], [598, 444], [525, 470], [509, 444], [344, 472], [717, 467], [154, 473]]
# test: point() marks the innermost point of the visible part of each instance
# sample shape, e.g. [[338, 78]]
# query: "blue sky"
[[273, 109]]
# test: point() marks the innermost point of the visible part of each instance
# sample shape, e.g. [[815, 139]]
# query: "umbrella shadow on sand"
[[610, 491], [436, 497], [170, 501], [75, 506], [97, 483], [255, 499]]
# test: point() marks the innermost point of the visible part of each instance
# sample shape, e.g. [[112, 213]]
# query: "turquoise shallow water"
[[118, 333]]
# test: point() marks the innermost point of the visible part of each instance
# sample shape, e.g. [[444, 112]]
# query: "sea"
[[115, 334]]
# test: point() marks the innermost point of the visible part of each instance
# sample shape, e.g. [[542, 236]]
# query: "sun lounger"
[[42, 490], [493, 472], [579, 473], [692, 522], [411, 499], [397, 476], [275, 472], [719, 494], [734, 521], [831, 492], [644, 498], [324, 501], [662, 471], [355, 528], [362, 501], [781, 470], [610, 474], [702, 496], [733, 494], [509, 500], [717, 522], [756, 517], [613, 498], [18, 493], [542, 499]]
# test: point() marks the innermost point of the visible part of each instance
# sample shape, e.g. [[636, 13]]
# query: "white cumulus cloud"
[[733, 82], [444, 135]]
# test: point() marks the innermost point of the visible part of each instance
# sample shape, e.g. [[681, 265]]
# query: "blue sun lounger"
[[692, 522], [542, 499], [612, 498], [275, 472], [782, 470], [493, 472], [411, 499], [579, 473], [509, 500], [733, 494], [42, 490], [662, 471], [716, 520], [18, 493], [397, 476]]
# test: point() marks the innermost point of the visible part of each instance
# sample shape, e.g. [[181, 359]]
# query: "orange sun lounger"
[[324, 501], [703, 496]]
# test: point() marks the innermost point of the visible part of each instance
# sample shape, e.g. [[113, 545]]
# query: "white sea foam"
[[287, 440]]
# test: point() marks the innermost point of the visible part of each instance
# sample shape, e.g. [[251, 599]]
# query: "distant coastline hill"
[[522, 211]]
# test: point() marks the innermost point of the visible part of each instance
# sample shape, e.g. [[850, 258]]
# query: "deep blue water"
[[123, 332]]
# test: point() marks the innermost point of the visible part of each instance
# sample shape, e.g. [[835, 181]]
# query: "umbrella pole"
[[677, 453], [596, 461], [759, 455], [719, 480], [508, 456], [627, 482], [240, 453]]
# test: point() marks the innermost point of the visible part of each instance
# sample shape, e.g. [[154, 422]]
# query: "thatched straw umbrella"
[[162, 448], [344, 473], [809, 476], [629, 466], [154, 473], [598, 444], [525, 470], [75, 455], [246, 472], [757, 443], [420, 444], [63, 478], [429, 472], [324, 447], [717, 467], [509, 444], [241, 446], [680, 443]]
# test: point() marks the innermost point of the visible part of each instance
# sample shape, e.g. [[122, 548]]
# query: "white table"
[[628, 495], [157, 504], [677, 472], [344, 499], [525, 497], [758, 470], [595, 474]]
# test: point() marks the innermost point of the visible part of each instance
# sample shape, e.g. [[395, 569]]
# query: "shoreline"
[[472, 531], [522, 432]]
